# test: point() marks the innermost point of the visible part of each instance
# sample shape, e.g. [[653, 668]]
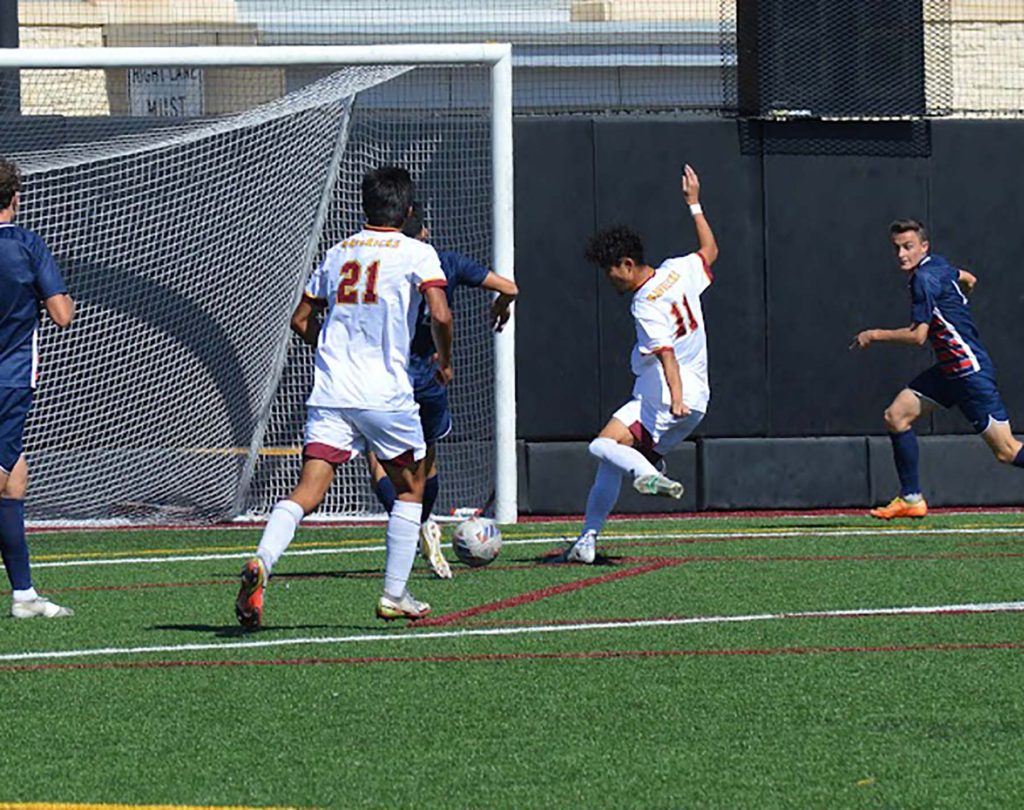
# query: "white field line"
[[736, 535], [990, 607]]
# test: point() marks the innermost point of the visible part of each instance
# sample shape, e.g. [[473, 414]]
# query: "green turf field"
[[712, 662]]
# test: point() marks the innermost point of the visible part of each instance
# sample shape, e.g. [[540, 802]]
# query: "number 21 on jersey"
[[348, 283], [683, 322]]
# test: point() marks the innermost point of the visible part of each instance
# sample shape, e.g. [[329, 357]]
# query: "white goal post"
[[91, 165]]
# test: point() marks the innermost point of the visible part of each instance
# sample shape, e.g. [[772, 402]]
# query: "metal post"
[[10, 80]]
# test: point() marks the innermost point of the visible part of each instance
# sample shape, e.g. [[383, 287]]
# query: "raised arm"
[[691, 191], [61, 309], [507, 292], [441, 330]]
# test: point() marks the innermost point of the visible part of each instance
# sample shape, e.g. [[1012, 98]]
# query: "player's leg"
[[382, 486], [397, 439], [616, 451], [329, 441], [1003, 444], [983, 406], [25, 602], [430, 532], [923, 395], [436, 421]]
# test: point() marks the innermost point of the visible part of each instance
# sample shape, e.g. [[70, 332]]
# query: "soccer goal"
[[186, 194]]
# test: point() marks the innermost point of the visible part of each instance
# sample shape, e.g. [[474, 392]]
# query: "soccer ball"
[[476, 541]]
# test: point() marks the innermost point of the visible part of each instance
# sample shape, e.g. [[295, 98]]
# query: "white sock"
[[279, 531], [402, 541], [603, 494], [24, 596], [625, 458]]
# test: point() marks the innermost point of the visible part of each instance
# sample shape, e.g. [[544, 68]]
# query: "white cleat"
[[658, 485], [584, 549], [430, 547], [405, 608], [38, 607]]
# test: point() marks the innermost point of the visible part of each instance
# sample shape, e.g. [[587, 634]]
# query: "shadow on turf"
[[236, 631], [557, 557], [348, 574]]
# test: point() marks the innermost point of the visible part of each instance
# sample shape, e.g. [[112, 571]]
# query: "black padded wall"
[[801, 212], [830, 273], [557, 336], [976, 168]]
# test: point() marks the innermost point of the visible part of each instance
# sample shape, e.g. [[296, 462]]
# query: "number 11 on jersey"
[[681, 322]]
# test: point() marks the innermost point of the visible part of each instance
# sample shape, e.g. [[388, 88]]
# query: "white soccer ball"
[[476, 541]]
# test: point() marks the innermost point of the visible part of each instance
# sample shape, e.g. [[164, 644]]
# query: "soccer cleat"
[[249, 604], [430, 546], [584, 549], [658, 485], [899, 508], [38, 607], [405, 608]]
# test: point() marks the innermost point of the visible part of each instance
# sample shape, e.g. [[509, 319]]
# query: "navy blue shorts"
[[14, 407], [434, 414], [975, 395]]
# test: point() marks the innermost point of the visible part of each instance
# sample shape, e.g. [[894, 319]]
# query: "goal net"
[[186, 205]]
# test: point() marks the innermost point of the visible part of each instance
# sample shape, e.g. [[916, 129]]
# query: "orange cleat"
[[899, 508], [249, 604]]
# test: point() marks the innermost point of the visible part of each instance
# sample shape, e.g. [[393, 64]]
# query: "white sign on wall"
[[165, 92]]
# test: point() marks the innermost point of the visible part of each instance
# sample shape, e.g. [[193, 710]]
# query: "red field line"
[[597, 655], [553, 590]]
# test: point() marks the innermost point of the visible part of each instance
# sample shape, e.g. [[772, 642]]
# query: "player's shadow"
[[237, 631], [557, 557], [358, 573]]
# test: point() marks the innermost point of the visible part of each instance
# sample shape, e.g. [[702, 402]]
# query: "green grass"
[[870, 711]]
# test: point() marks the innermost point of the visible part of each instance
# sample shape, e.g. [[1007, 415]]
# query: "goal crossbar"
[[498, 56]]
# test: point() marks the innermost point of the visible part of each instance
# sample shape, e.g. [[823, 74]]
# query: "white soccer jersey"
[[371, 283], [668, 317]]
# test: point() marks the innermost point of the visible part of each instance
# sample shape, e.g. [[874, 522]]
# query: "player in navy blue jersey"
[[28, 277], [429, 389], [963, 374]]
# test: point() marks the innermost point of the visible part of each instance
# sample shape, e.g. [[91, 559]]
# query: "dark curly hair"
[[10, 182], [609, 246]]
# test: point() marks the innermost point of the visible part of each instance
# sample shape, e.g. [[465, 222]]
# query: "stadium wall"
[[801, 212]]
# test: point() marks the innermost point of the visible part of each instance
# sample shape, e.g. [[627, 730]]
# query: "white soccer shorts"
[[339, 434], [654, 428]]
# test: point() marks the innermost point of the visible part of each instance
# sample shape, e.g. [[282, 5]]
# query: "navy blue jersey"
[[459, 270], [28, 276], [937, 300]]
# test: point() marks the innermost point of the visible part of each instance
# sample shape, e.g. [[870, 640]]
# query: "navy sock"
[[1018, 460], [13, 546], [905, 453], [385, 492], [430, 496]]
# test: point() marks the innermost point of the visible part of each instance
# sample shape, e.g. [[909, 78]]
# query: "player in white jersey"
[[369, 288], [670, 361]]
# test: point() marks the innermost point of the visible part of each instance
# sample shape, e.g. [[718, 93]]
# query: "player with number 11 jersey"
[[671, 392]]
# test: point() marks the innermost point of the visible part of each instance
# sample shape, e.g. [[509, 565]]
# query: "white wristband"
[[696, 209]]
